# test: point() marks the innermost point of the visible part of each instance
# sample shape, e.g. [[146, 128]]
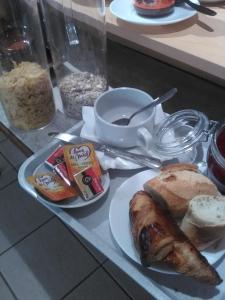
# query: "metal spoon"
[[198, 7], [168, 95]]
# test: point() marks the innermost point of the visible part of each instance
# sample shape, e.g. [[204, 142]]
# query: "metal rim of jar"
[[214, 148]]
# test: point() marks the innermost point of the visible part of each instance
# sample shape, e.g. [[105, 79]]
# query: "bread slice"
[[178, 184], [204, 222]]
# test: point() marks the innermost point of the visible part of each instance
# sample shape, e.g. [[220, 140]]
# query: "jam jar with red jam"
[[216, 157], [153, 8]]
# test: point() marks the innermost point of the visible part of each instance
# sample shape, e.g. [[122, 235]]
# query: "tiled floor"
[[40, 258]]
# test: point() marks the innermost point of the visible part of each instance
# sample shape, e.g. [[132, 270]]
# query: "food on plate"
[[52, 186], [56, 157], [178, 184], [57, 163], [75, 171], [204, 222], [153, 8], [159, 239], [80, 156], [88, 183], [26, 94], [61, 170]]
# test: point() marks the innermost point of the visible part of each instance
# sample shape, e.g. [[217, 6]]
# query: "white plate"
[[76, 201], [124, 10], [120, 224]]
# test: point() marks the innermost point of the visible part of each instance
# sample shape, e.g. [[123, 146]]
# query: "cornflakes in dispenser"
[[52, 186], [79, 157]]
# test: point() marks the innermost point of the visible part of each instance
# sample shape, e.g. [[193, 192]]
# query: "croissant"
[[158, 238]]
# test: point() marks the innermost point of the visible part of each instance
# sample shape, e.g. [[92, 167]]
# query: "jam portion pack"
[[75, 170], [56, 157], [56, 162], [88, 183]]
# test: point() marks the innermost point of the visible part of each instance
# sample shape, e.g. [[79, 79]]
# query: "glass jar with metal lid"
[[183, 135], [216, 156]]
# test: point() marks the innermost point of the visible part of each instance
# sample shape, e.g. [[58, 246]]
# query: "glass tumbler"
[[25, 86], [183, 135], [78, 50]]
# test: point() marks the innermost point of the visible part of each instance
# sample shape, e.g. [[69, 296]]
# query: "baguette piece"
[[178, 184], [204, 222], [158, 238]]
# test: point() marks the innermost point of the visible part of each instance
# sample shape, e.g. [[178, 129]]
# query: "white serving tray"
[[92, 223]]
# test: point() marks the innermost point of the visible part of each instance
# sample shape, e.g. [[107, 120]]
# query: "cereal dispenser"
[[25, 86], [77, 39]]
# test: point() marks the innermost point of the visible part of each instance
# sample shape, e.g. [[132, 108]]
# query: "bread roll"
[[204, 222], [178, 184]]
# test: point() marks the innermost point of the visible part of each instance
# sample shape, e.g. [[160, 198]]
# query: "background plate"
[[124, 10]]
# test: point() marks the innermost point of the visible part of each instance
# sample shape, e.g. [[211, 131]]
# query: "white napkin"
[[88, 132]]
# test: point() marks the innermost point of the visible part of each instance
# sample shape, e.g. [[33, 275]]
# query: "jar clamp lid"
[[180, 131]]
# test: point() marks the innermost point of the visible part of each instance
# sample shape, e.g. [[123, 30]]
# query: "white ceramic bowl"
[[122, 102]]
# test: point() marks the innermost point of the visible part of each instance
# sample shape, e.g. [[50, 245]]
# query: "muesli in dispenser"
[[25, 86], [78, 51]]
